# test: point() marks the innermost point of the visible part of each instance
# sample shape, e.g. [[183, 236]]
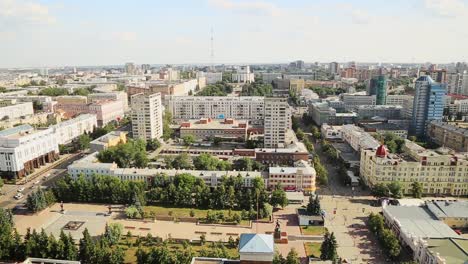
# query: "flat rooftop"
[[453, 250], [443, 209], [420, 222], [16, 130]]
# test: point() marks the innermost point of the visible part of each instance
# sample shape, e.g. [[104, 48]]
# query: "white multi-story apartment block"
[[147, 116], [211, 77], [217, 107], [277, 116], [14, 111], [68, 130], [454, 83], [115, 96], [243, 75], [440, 172]]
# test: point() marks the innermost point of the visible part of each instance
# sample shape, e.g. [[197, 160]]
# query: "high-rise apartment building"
[[334, 68], [130, 68], [428, 104], [454, 83], [147, 116], [277, 116], [378, 87]]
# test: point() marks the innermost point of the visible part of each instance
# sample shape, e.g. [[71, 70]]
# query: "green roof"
[[453, 250]]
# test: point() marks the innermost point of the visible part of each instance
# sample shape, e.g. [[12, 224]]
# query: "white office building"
[[351, 101], [147, 116], [243, 75], [277, 116]]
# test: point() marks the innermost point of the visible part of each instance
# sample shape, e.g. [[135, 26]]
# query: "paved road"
[[8, 201], [355, 242]]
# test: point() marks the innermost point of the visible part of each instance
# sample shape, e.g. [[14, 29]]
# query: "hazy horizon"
[[58, 33]]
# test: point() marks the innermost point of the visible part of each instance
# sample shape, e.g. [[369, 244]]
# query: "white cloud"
[[248, 7], [25, 11], [447, 8]]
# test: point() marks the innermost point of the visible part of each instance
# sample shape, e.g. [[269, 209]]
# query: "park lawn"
[[313, 230], [182, 212], [130, 251], [312, 249]]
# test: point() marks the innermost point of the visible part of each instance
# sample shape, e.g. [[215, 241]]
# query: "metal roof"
[[256, 243]]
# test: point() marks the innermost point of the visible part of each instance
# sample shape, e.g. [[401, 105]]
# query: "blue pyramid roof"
[[256, 243]]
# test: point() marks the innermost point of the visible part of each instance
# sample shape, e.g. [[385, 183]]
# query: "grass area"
[[185, 212], [313, 230], [173, 247], [181, 212], [312, 249]]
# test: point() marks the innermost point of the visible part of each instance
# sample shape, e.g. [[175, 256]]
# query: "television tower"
[[212, 51]]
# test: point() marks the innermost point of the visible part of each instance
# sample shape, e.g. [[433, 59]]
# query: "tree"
[[376, 223], [293, 257], [152, 145], [417, 190], [300, 134], [87, 247], [380, 190], [313, 207], [6, 231], [1, 184], [278, 197], [396, 190], [390, 242], [247, 164], [182, 161], [133, 212], [278, 259], [168, 132], [113, 232], [83, 142], [328, 247], [188, 140]]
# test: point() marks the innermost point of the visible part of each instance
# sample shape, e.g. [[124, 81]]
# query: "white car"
[[18, 196], [20, 189], [36, 182]]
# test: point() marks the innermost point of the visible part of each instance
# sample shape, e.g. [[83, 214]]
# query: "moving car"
[[18, 196]]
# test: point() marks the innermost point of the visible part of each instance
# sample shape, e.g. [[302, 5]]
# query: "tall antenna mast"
[[212, 51]]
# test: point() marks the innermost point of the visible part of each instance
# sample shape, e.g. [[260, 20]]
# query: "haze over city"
[[234, 132], [59, 33]]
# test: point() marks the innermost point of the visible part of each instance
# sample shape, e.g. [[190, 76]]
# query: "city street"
[[348, 223], [53, 172]]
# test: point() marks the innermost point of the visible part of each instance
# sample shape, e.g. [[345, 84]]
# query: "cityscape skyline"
[[50, 33]]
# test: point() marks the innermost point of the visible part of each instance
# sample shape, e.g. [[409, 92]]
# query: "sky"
[[48, 33]]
